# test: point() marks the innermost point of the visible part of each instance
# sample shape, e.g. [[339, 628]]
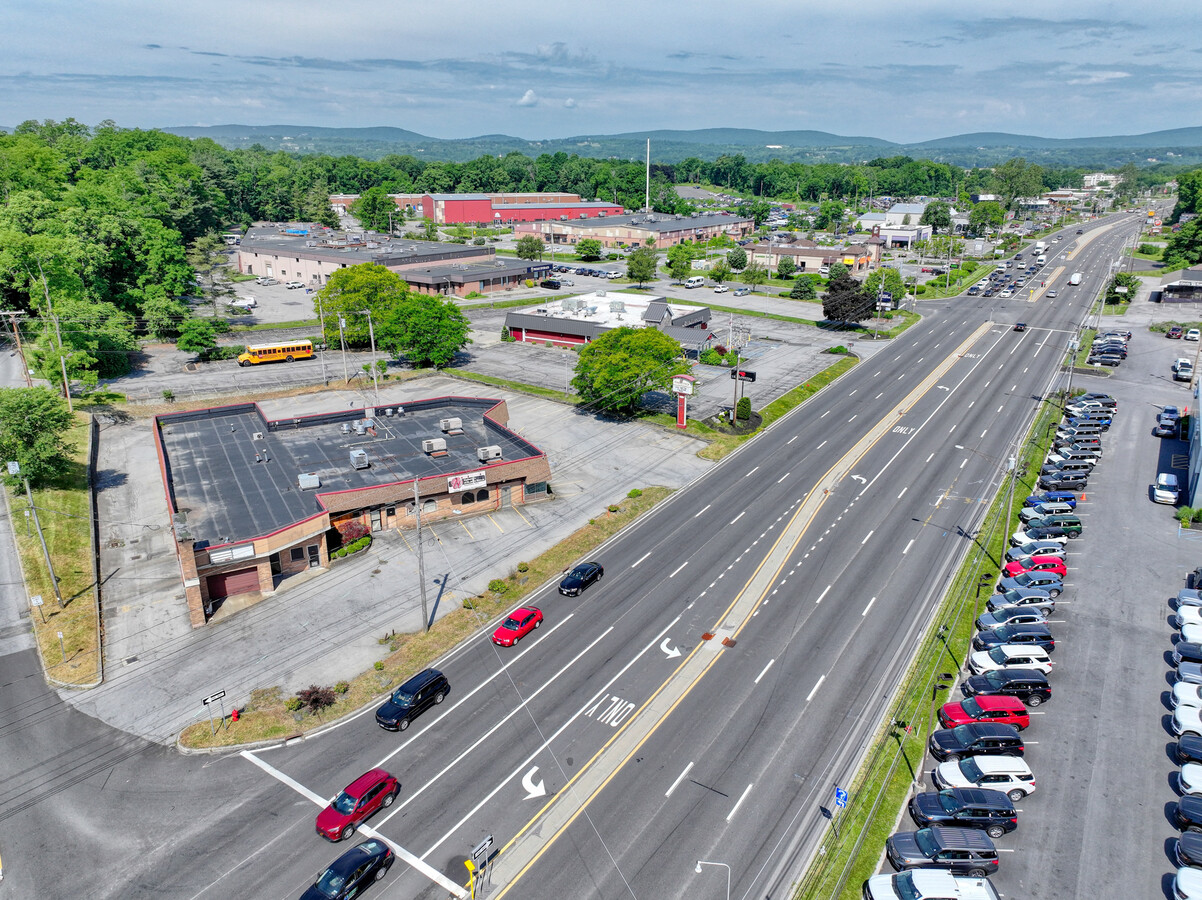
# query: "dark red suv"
[[356, 802]]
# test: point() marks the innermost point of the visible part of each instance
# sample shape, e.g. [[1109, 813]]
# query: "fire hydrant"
[[234, 715]]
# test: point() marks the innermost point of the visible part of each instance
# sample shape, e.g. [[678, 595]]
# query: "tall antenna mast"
[[647, 201]]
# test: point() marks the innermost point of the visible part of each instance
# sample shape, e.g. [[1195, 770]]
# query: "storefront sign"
[[468, 482]]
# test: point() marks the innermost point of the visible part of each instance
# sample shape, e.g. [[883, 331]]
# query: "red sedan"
[[1006, 710], [369, 792], [520, 623], [1053, 564]]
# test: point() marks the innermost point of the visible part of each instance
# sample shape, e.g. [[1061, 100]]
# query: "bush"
[[293, 704], [743, 408], [479, 242], [497, 586], [529, 282], [316, 698], [711, 357], [169, 396], [506, 336], [378, 665], [838, 350], [613, 508], [1149, 249], [523, 567], [1185, 515], [634, 492], [351, 530], [342, 687], [919, 289], [228, 352]]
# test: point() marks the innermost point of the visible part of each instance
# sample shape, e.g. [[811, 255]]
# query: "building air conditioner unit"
[[308, 481], [346, 428], [258, 436], [484, 454], [360, 427], [389, 412], [452, 424], [359, 459], [433, 445]]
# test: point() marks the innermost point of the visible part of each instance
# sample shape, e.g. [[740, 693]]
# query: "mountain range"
[[1179, 146]]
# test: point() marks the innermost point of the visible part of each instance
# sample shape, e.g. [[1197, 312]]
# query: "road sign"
[[213, 698], [742, 375], [840, 797], [481, 848], [14, 468], [35, 600], [886, 295]]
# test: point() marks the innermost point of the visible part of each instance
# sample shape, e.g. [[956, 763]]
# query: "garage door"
[[229, 583]]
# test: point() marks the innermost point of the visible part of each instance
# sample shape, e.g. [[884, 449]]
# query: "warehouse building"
[[490, 208], [574, 321], [254, 501], [641, 229]]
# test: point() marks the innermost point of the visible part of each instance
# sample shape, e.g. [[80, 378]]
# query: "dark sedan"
[[350, 873], [580, 578], [1040, 635]]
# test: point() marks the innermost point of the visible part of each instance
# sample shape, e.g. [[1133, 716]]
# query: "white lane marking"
[[521, 768], [1012, 388], [908, 546], [929, 458], [814, 689], [782, 478], [678, 568], [792, 439], [878, 373], [703, 509], [823, 594], [852, 419], [679, 779], [896, 358], [879, 396], [868, 607], [736, 518], [1000, 408], [737, 805], [985, 385], [903, 491], [766, 668], [820, 446], [286, 779], [853, 392], [901, 376], [866, 537], [641, 558], [752, 472], [983, 433], [971, 405], [964, 463], [950, 430], [825, 414]]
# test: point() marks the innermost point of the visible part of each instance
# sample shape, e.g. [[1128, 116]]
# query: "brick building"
[[641, 229]]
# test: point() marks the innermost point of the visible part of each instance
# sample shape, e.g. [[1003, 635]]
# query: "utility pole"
[[321, 354], [342, 342], [421, 560], [12, 321], [374, 376], [15, 469], [61, 360]]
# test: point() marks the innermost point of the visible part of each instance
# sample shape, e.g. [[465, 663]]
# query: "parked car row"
[[1109, 348], [979, 772], [1186, 724]]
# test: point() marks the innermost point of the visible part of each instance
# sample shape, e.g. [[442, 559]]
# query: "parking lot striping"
[[495, 522], [823, 444], [868, 607], [524, 519], [678, 568], [823, 594], [465, 528], [782, 478], [866, 537], [435, 533], [752, 472], [814, 690], [521, 768], [908, 546], [641, 558], [739, 802], [736, 518], [767, 667], [792, 439], [703, 509], [519, 708], [679, 779]]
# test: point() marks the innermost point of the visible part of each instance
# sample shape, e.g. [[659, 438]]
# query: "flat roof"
[[464, 272], [566, 204], [385, 250], [664, 222], [233, 474]]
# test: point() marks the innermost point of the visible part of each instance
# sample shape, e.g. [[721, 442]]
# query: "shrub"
[[497, 586], [316, 698], [919, 289], [838, 350], [293, 704], [479, 242], [523, 567], [1185, 515], [529, 282], [613, 507], [227, 352], [169, 396], [379, 665], [711, 358], [1149, 249], [351, 530], [342, 687], [743, 408], [634, 492]]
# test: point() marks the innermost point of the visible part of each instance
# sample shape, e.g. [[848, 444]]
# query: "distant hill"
[[1180, 146]]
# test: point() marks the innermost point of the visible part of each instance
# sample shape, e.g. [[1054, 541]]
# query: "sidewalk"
[[158, 668]]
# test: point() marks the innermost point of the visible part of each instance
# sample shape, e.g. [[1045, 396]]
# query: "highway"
[[616, 746]]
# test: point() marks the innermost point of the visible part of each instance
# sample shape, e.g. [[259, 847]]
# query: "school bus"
[[285, 352]]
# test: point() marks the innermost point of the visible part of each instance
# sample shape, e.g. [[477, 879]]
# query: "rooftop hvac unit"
[[600, 293], [308, 481], [258, 436], [346, 428], [433, 445], [570, 303], [617, 306], [359, 459], [360, 427], [389, 412], [452, 424], [484, 454]]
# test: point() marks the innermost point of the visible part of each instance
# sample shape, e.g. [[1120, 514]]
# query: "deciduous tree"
[[530, 246], [737, 259], [640, 265], [846, 300], [786, 267], [938, 215], [588, 248], [33, 428], [680, 261], [754, 275], [619, 367]]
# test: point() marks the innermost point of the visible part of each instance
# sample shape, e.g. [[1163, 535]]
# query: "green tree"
[[759, 210], [1184, 247], [680, 261], [1016, 178], [846, 300], [374, 209], [208, 259], [350, 292], [162, 316], [619, 367], [1121, 288], [754, 275], [424, 328], [737, 259], [429, 230], [720, 272], [985, 216], [588, 248], [196, 336], [640, 265], [830, 215], [836, 270], [786, 267], [892, 279], [938, 215], [33, 428], [803, 288], [530, 246]]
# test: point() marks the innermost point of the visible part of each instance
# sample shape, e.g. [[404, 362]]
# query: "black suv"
[[425, 689], [976, 739], [1188, 815], [990, 811], [1028, 685], [962, 851], [1039, 635]]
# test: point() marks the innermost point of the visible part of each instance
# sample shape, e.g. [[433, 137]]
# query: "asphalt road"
[[818, 551]]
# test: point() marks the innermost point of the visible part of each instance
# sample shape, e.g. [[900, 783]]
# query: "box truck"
[[1075, 278]]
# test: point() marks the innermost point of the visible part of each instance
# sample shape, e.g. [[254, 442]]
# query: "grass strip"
[[275, 326], [265, 716], [886, 778], [517, 386], [64, 513]]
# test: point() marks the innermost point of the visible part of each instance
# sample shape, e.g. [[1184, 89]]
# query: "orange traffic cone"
[[1083, 498]]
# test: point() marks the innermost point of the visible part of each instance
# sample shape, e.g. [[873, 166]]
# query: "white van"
[[1075, 278], [1040, 260], [694, 281]]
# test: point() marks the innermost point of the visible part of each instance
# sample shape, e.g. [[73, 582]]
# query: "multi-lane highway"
[[700, 702]]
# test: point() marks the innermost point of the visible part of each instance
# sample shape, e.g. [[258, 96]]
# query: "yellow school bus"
[[284, 352]]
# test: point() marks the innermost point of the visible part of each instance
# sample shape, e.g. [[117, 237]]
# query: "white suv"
[[293, 285], [926, 884], [1010, 656], [1008, 774]]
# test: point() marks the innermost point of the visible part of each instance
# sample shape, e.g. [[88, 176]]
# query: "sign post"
[[682, 387], [208, 704]]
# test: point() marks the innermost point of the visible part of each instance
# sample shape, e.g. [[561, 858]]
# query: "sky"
[[905, 72]]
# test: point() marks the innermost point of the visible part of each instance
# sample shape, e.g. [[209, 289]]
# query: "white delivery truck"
[[1040, 246], [1075, 278]]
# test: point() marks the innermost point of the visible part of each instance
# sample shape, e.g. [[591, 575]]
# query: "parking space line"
[[524, 519], [498, 524], [430, 528], [463, 525]]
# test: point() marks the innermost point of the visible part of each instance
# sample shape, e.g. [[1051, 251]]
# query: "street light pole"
[[706, 862]]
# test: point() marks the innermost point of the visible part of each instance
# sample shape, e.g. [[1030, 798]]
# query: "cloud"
[[152, 46], [528, 99], [569, 103], [1099, 77]]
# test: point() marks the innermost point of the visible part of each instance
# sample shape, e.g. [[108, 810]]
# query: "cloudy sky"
[[905, 72]]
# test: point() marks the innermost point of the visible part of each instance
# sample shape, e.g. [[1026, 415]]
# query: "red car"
[[520, 623], [356, 802], [1005, 710], [1175, 332], [1052, 564]]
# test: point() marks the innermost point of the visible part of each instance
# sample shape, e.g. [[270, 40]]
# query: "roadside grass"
[[1087, 339], [764, 315], [275, 326], [265, 717], [520, 387], [898, 751], [1116, 309], [506, 304], [64, 513], [1163, 327]]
